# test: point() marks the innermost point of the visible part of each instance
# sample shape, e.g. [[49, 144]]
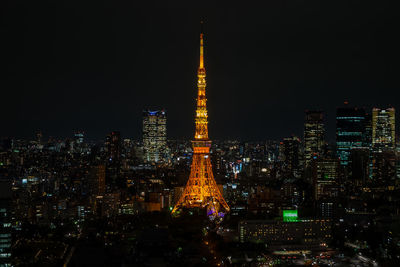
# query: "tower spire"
[[201, 111], [201, 65], [201, 189]]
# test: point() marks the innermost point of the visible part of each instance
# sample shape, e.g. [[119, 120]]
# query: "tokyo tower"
[[201, 189]]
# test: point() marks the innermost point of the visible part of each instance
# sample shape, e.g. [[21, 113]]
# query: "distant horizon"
[[330, 129], [97, 70]]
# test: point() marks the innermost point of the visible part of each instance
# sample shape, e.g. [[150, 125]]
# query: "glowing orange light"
[[201, 189]]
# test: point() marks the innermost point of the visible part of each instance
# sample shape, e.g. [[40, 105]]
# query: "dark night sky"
[[95, 65]]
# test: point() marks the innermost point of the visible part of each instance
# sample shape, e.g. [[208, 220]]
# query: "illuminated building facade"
[[5, 222], [79, 136], [113, 147], [383, 146], [367, 137], [77, 144], [201, 189], [154, 135], [350, 129], [314, 133], [384, 167], [325, 178], [383, 129], [290, 215], [301, 232], [97, 180], [290, 155]]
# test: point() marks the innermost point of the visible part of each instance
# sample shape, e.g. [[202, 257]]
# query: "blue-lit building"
[[350, 131]]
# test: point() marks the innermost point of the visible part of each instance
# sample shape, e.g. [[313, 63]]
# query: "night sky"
[[95, 65]]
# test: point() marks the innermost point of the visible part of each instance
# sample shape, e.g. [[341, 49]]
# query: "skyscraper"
[[154, 135], [383, 129], [367, 136], [201, 189], [384, 167], [350, 129], [290, 153], [97, 180], [79, 135], [113, 147], [314, 133], [77, 143], [325, 178], [360, 165]]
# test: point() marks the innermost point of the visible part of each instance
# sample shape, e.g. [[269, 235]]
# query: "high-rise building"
[[79, 135], [113, 147], [314, 133], [39, 136], [290, 156], [154, 135], [360, 165], [384, 167], [383, 129], [97, 180], [367, 136], [5, 222], [325, 178], [350, 129], [77, 143], [201, 189]]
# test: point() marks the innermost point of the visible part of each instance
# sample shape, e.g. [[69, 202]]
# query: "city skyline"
[[267, 67], [281, 151]]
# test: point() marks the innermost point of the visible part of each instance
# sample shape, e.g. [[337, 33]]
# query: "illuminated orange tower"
[[201, 189]]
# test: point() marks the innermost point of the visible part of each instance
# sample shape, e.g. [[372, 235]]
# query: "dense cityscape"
[[292, 201], [323, 193], [125, 202]]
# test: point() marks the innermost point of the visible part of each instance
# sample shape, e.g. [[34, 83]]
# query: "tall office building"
[[350, 129], [360, 165], [314, 133], [113, 147], [325, 178], [154, 135], [78, 136], [383, 129], [77, 143], [5, 222], [97, 180], [39, 136], [367, 136], [290, 156], [384, 167], [383, 157]]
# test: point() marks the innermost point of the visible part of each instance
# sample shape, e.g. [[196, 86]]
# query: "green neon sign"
[[290, 215]]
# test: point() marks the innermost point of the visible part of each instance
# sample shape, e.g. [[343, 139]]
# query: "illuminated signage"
[[290, 215]]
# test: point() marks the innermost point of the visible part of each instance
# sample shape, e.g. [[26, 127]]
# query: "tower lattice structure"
[[201, 189]]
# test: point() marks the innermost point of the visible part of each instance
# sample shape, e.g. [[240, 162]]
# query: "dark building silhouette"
[[291, 155], [113, 147], [350, 129]]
